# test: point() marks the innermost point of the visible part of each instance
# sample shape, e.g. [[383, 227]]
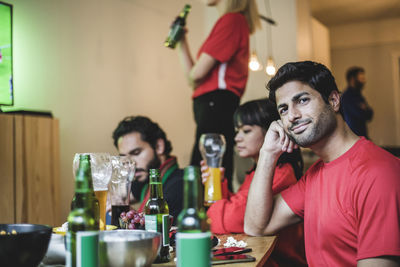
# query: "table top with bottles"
[[261, 246]]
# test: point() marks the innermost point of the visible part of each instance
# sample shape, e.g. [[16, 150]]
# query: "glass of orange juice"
[[212, 147]]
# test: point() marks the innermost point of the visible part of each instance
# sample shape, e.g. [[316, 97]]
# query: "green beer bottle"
[[176, 31], [95, 206], [157, 215], [83, 236], [193, 240]]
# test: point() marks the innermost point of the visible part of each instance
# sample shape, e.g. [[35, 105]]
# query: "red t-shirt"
[[350, 206], [228, 43]]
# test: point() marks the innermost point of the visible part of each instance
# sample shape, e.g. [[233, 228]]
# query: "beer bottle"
[[157, 215], [193, 240], [95, 206], [83, 228], [176, 30], [95, 202]]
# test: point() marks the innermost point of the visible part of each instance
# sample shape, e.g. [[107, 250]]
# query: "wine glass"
[[101, 167], [123, 171]]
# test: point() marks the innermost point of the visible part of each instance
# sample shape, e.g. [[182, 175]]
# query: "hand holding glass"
[[212, 148]]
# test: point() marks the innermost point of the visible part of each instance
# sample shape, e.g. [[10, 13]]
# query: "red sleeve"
[[377, 206], [224, 40], [294, 196], [227, 215]]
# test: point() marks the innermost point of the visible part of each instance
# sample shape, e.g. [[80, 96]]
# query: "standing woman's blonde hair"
[[249, 10]]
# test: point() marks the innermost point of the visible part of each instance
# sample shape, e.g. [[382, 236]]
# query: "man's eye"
[[282, 111], [246, 131], [135, 152], [303, 100]]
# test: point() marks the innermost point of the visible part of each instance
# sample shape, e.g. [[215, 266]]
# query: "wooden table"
[[261, 246]]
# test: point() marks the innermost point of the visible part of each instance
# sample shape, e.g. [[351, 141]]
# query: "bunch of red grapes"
[[132, 220]]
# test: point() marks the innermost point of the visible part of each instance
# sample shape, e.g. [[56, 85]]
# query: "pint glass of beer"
[[101, 174], [212, 148]]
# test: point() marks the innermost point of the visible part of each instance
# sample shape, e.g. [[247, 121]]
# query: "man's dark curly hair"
[[149, 131], [316, 75]]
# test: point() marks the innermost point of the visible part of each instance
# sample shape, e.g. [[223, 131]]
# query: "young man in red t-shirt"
[[349, 199]]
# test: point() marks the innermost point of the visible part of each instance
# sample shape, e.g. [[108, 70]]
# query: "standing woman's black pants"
[[213, 113]]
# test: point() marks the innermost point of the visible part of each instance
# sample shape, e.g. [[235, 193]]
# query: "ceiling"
[[336, 12]]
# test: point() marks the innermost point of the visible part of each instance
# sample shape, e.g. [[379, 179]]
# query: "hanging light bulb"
[[254, 63], [270, 68]]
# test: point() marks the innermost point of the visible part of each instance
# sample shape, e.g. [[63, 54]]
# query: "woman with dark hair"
[[252, 120]]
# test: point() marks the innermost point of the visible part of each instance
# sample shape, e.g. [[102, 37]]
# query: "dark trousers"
[[213, 113]]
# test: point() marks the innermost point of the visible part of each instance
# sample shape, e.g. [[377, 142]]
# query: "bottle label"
[[193, 249], [86, 249], [150, 223], [165, 230], [158, 223]]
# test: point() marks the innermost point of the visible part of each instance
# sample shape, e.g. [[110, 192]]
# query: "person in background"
[[219, 74], [356, 110], [252, 120], [149, 147], [349, 199]]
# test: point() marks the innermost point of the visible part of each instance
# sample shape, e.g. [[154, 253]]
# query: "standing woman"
[[219, 74]]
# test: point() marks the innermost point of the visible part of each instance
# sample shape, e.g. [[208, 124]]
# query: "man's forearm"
[[385, 261], [260, 198]]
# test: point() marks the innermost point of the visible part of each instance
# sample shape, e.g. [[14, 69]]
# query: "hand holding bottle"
[[177, 29]]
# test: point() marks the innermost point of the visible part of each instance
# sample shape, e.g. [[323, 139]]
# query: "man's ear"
[[160, 147], [334, 100]]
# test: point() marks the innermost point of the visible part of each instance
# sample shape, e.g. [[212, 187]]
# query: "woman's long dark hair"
[[263, 112]]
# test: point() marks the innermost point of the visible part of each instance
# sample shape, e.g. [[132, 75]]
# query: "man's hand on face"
[[277, 141]]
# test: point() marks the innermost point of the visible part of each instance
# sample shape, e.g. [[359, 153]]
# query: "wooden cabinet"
[[29, 169]]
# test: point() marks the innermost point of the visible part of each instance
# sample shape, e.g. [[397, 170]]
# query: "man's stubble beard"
[[324, 125], [154, 163]]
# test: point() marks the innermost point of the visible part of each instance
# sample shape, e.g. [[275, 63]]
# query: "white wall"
[[312, 36], [93, 62], [304, 31], [321, 43], [372, 45], [283, 44]]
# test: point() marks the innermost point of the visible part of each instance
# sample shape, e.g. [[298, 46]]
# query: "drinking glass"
[[212, 147], [123, 171], [101, 167]]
